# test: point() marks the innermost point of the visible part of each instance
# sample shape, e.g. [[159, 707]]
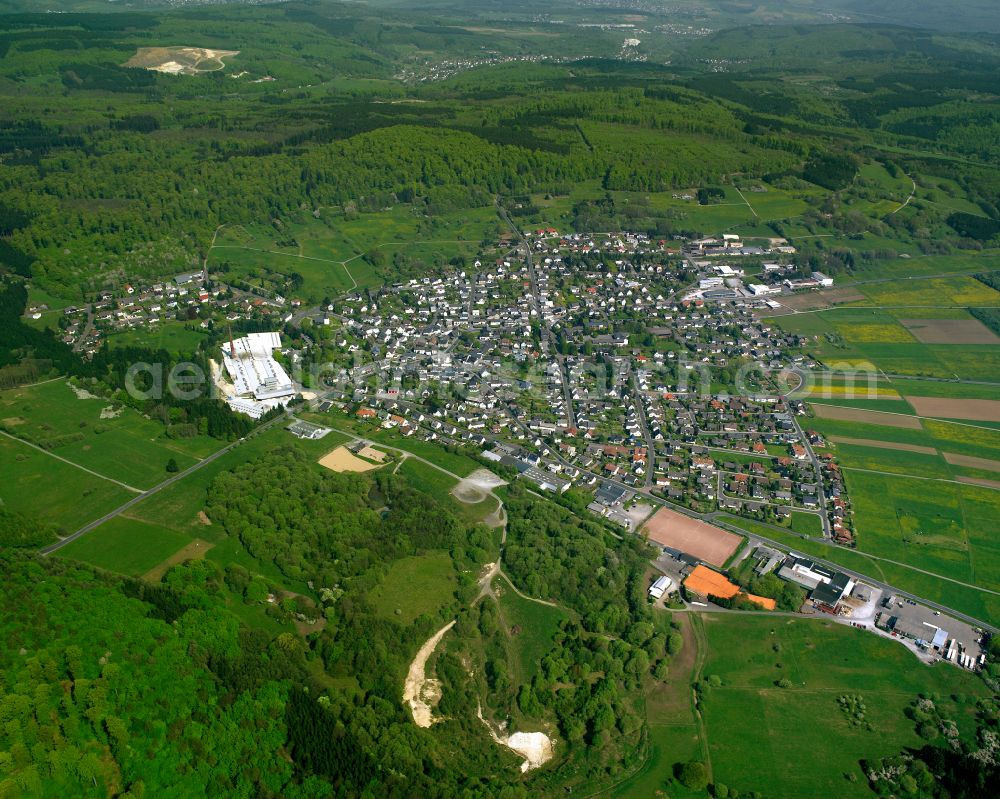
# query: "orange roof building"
[[705, 582]]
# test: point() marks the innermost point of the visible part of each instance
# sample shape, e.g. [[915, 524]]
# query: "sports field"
[[708, 543]]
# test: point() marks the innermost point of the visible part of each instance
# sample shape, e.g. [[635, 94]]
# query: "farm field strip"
[[886, 418], [868, 442]]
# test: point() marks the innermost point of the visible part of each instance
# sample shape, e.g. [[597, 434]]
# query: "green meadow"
[[415, 586], [944, 528], [336, 252], [756, 736], [124, 445], [749, 720], [126, 546], [531, 627], [36, 484]]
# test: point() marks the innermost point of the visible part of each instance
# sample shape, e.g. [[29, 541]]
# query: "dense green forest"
[[130, 172], [102, 671]]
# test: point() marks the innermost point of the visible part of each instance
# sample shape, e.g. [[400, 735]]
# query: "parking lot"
[[966, 635]]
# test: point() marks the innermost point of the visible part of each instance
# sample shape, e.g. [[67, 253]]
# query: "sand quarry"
[[536, 748], [420, 692], [180, 60]]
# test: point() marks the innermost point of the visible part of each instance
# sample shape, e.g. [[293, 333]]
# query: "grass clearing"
[[822, 660], [49, 490], [415, 586], [126, 546], [123, 445], [531, 627]]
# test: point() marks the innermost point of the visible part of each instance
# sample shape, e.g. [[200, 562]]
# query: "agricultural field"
[[914, 327], [336, 252], [115, 442], [942, 527], [910, 483], [738, 662]]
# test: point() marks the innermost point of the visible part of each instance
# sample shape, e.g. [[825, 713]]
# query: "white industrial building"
[[661, 586], [260, 382]]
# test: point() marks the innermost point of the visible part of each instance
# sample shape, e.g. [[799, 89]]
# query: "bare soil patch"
[[871, 442], [950, 331], [343, 460], [420, 692], [708, 543], [868, 417], [815, 300], [203, 518], [986, 464], [372, 454], [180, 60], [195, 550], [476, 487], [943, 408]]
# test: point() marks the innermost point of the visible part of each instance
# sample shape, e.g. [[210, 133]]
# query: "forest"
[[131, 173]]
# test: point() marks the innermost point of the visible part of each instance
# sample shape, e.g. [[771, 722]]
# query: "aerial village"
[[605, 363]]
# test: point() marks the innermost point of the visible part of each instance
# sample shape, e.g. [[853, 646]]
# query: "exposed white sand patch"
[[536, 748], [477, 486], [225, 388], [110, 412], [82, 393], [421, 692], [168, 67]]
